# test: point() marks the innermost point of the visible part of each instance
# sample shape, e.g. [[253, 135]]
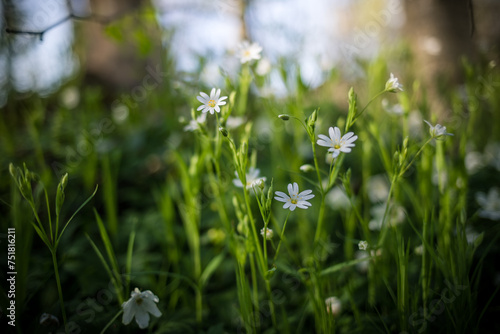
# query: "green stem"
[[387, 204], [199, 305], [262, 264], [111, 321], [59, 288], [281, 237], [255, 284], [355, 118], [414, 157]]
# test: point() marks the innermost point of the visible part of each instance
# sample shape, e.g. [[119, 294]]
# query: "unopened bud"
[[12, 170], [284, 117], [306, 168], [223, 131]]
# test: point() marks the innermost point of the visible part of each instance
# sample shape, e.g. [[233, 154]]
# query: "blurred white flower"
[[471, 235], [248, 52], [211, 103], [419, 250], [490, 204], [431, 45], [392, 85], [333, 306], [438, 131], [337, 199], [492, 154], [70, 97], [267, 232], [194, 124], [415, 123], [253, 179], [362, 266], [377, 188], [119, 113], [473, 162], [396, 109], [139, 306], [234, 122], [336, 143], [363, 245], [395, 216], [264, 67], [294, 198]]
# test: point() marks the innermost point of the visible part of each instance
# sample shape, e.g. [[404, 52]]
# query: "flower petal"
[[290, 189], [295, 188], [142, 318], [128, 311]]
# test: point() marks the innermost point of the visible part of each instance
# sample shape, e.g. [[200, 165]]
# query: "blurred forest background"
[[102, 90]]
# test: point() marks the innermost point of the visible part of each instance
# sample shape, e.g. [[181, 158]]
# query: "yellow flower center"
[[246, 53], [294, 201], [211, 103], [336, 146]]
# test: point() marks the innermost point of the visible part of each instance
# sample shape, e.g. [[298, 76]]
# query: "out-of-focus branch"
[[91, 18]]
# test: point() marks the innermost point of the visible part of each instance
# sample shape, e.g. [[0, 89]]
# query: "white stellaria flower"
[[363, 245], [211, 103], [252, 179], [490, 204], [336, 142], [294, 199], [333, 306], [267, 232], [392, 85], [248, 52], [438, 131], [139, 306]]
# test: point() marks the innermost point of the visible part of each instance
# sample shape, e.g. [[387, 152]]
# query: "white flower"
[[211, 103], [268, 233], [248, 52], [438, 131], [264, 67], [377, 188], [337, 199], [194, 124], [139, 306], [253, 179], [490, 204], [363, 245], [419, 250], [395, 216], [294, 199], [396, 109], [234, 122], [392, 85], [336, 143], [333, 305]]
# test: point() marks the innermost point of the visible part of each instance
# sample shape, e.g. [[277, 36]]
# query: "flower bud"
[[307, 168], [223, 131], [284, 117]]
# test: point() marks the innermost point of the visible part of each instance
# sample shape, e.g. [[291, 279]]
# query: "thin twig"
[[91, 18]]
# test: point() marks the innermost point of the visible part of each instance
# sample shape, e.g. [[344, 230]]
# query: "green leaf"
[[343, 265], [73, 216], [210, 269]]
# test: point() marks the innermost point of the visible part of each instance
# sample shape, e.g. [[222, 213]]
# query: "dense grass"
[[168, 218]]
